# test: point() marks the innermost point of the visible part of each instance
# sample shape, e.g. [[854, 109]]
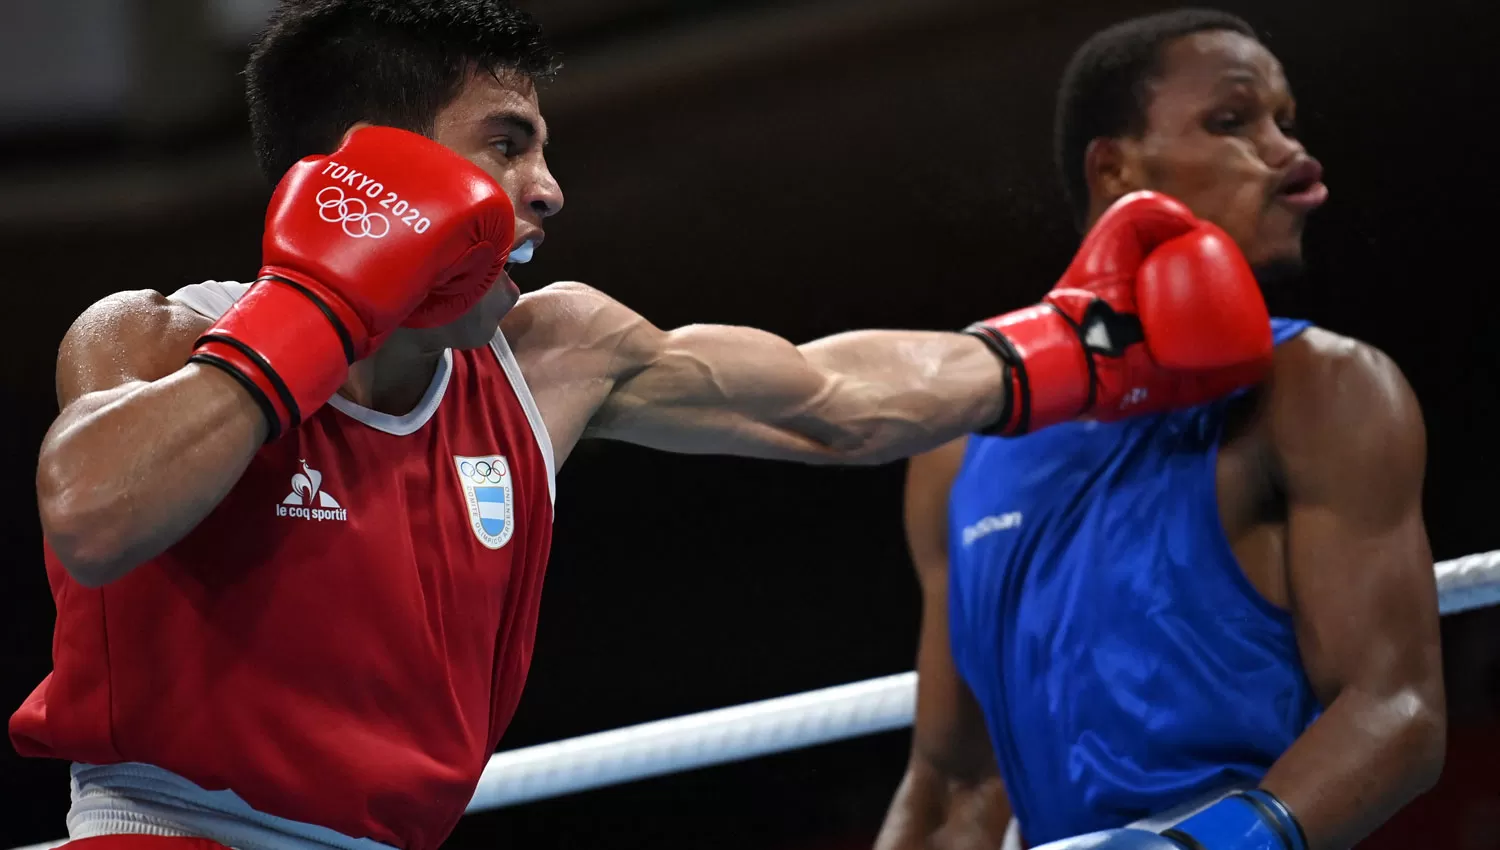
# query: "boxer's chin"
[[476, 328], [1280, 270], [1276, 255]]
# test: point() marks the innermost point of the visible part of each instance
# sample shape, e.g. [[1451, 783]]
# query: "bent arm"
[[1352, 447], [145, 447], [951, 796], [861, 397]]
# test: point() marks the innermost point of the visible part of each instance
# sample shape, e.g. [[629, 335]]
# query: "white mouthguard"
[[523, 252]]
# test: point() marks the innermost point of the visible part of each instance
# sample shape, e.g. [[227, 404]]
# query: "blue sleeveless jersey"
[[1124, 663]]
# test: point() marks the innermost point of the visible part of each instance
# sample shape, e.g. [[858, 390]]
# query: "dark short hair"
[[323, 65], [1105, 89]]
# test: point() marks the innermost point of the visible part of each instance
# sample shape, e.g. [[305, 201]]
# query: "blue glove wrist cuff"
[[1249, 820]]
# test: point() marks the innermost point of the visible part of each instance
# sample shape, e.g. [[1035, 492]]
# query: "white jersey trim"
[[211, 299], [507, 359], [411, 422]]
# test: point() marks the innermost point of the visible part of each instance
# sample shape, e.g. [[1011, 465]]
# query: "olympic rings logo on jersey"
[[489, 497], [483, 472], [353, 213]]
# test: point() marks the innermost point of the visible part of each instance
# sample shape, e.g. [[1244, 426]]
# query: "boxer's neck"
[[394, 379]]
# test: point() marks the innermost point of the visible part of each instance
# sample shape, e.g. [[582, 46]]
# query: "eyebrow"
[[516, 123], [1245, 76], [1238, 77]]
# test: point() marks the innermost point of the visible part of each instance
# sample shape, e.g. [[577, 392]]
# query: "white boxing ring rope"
[[786, 723], [792, 722]]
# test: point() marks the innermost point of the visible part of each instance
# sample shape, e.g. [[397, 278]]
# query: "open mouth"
[[521, 254]]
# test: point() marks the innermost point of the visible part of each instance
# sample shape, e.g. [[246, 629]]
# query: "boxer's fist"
[[1158, 310], [1246, 820], [391, 228], [394, 225]]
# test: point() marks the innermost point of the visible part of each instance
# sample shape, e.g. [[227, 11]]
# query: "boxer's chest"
[[1075, 531], [417, 528]]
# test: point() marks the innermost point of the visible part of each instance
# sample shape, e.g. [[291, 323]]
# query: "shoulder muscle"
[[575, 317], [1346, 425], [573, 344], [128, 336]]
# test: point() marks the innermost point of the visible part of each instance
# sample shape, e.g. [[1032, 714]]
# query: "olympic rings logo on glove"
[[353, 213]]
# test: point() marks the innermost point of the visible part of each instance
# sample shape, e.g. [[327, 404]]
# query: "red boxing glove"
[[392, 227], [1158, 310]]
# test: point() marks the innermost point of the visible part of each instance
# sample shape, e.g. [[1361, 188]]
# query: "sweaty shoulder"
[[575, 322], [128, 336], [573, 343], [563, 313], [1339, 406]]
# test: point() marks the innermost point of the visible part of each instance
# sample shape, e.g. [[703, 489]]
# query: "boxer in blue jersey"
[[1214, 628]]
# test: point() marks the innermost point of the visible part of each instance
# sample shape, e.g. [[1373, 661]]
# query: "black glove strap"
[[1104, 332], [338, 326], [273, 423], [1013, 376], [1108, 332]]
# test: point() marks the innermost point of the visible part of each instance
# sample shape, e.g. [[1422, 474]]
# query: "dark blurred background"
[[808, 167]]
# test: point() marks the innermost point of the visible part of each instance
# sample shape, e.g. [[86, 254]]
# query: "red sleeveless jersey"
[[344, 639]]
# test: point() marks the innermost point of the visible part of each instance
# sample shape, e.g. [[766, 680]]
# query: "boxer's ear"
[[1110, 171], [349, 132]]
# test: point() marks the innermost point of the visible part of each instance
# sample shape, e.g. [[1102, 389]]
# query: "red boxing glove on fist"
[[391, 228], [1158, 310]]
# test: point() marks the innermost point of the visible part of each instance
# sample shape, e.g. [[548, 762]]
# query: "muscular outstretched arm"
[[1351, 445], [952, 797], [144, 447], [862, 397]]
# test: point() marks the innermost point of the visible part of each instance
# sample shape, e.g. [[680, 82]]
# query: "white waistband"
[[139, 799]]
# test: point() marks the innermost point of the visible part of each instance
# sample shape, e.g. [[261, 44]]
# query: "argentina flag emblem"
[[489, 497]]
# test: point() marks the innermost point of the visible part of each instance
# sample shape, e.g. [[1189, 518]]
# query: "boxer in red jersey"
[[296, 530]]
